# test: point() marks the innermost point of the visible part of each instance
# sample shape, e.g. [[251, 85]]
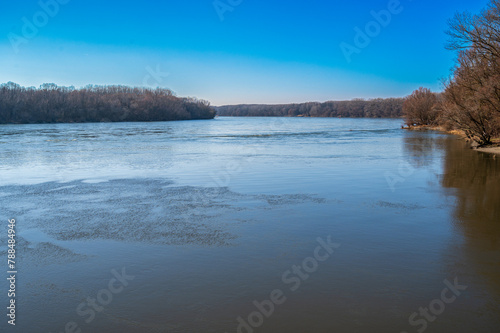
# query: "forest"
[[470, 102], [54, 104], [357, 108]]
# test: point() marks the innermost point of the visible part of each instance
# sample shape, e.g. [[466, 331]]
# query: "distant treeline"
[[53, 104], [357, 108]]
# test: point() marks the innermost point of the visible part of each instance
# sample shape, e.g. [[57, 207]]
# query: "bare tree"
[[472, 95], [420, 108]]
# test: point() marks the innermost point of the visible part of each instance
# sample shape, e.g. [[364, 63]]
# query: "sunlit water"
[[210, 216]]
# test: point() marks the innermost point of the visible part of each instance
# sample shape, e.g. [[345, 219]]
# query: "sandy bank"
[[490, 150]]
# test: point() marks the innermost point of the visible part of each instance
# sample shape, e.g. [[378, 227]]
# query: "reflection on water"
[[473, 178], [420, 147], [476, 180]]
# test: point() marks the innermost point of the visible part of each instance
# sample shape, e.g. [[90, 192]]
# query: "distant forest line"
[[53, 104], [357, 108]]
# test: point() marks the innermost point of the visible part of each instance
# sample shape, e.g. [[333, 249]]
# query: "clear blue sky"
[[261, 52]]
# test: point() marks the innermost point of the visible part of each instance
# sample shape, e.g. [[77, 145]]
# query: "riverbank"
[[493, 148], [490, 150]]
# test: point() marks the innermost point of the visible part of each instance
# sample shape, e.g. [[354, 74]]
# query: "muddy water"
[[250, 225]]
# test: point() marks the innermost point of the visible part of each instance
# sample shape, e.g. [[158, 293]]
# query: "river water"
[[249, 225]]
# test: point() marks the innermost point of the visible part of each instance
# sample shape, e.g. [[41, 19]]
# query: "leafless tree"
[[420, 108], [472, 95]]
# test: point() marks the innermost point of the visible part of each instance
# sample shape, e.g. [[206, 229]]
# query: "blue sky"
[[261, 52]]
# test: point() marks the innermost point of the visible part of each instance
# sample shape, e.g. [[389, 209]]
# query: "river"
[[249, 225]]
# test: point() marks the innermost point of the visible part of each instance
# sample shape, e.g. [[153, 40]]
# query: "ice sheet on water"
[[138, 210]]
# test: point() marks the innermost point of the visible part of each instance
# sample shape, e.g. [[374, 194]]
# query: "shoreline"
[[493, 148], [489, 150]]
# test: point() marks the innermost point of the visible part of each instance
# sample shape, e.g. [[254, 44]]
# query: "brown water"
[[210, 217]]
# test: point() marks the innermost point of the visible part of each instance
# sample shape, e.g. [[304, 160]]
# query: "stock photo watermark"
[[156, 76], [405, 171], [31, 26], [87, 311], [292, 279], [221, 7], [372, 29], [425, 315], [11, 271]]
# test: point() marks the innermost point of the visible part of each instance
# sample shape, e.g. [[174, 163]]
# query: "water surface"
[[210, 216]]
